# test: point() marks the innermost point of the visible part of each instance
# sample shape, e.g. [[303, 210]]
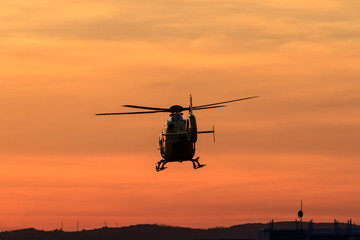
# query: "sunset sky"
[[63, 61]]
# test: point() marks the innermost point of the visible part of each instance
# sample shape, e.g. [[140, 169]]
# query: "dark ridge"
[[156, 232]]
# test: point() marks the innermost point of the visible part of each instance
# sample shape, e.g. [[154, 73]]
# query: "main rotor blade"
[[149, 108], [126, 113], [201, 108], [212, 104]]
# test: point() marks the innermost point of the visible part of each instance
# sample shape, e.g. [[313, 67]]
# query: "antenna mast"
[[300, 215]]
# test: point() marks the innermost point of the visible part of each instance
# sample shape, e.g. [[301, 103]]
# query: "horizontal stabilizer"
[[213, 132], [205, 132]]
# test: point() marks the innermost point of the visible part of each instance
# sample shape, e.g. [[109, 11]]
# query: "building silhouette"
[[351, 232]]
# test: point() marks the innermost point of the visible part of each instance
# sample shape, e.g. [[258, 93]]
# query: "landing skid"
[[196, 163], [160, 165]]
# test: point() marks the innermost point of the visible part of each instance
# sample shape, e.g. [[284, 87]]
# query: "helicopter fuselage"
[[174, 141]]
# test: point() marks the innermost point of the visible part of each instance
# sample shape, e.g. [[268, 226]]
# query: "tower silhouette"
[[300, 215]]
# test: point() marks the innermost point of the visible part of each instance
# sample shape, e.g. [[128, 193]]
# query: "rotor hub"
[[176, 109]]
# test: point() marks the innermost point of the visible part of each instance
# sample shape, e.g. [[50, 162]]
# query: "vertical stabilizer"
[[190, 107]]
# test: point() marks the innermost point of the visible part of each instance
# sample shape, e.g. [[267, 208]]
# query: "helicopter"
[[178, 136]]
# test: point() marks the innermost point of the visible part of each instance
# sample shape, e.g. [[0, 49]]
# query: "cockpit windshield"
[[176, 117]]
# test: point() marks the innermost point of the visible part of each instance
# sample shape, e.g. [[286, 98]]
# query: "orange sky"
[[62, 62]]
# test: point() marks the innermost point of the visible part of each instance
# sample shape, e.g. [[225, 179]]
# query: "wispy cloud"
[[186, 21]]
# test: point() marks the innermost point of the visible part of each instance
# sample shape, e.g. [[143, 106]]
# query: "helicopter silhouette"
[[178, 137]]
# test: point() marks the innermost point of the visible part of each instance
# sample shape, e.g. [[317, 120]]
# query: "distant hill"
[[155, 232]]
